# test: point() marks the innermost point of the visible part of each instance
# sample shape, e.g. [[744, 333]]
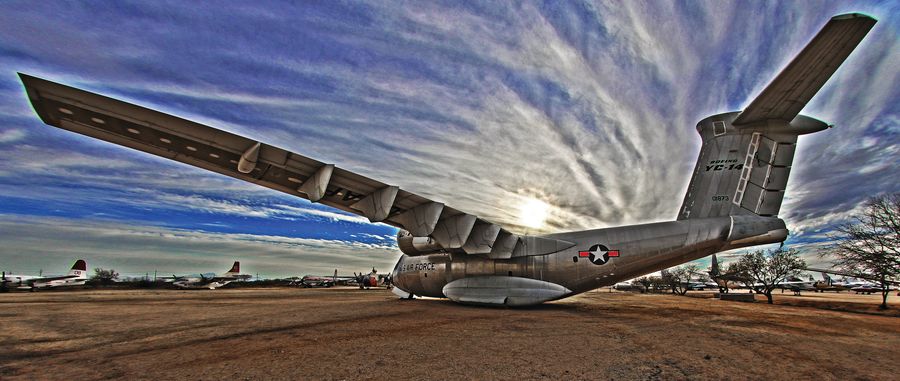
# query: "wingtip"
[[854, 15], [23, 77]]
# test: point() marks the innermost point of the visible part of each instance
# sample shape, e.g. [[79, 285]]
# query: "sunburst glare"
[[533, 212]]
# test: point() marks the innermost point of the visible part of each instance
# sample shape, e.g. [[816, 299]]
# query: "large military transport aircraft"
[[732, 201], [76, 277]]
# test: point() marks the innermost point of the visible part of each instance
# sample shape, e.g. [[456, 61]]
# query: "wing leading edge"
[[246, 159], [789, 92]]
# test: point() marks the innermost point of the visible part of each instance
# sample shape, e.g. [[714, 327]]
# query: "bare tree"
[[656, 284], [764, 270], [679, 278], [869, 247], [732, 273], [645, 282], [104, 276]]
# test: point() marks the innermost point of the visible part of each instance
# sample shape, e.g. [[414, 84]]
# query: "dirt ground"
[[353, 334]]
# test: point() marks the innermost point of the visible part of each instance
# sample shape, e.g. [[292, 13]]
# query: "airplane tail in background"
[[714, 267], [746, 156], [79, 269], [235, 268]]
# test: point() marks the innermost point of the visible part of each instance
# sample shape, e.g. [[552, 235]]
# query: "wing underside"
[[220, 151]]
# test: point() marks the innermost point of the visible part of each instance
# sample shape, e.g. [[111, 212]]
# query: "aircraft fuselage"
[[638, 249]]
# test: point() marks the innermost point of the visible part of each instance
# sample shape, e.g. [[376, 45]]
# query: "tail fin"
[[746, 156], [235, 268], [826, 278], [714, 268], [79, 269]]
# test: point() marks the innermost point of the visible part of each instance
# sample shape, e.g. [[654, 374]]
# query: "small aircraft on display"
[[310, 281], [211, 282], [827, 284], [76, 277], [733, 200], [868, 284], [797, 285], [372, 279], [727, 280]]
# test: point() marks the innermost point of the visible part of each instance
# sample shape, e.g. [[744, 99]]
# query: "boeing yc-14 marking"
[[733, 199]]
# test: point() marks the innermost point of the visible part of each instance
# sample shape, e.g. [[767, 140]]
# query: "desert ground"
[[337, 334]]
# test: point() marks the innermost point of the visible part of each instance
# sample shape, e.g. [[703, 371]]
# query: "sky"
[[589, 107]]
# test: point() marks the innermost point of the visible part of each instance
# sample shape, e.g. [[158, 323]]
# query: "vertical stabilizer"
[[743, 170], [235, 268], [746, 156], [79, 269]]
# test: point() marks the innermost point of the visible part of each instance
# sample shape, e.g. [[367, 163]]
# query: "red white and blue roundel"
[[598, 254]]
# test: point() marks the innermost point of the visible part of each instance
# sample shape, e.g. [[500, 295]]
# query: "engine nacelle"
[[414, 246]]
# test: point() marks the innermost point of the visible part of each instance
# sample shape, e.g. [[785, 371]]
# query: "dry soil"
[[353, 334]]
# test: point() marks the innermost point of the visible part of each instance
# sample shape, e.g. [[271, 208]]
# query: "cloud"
[[589, 107], [51, 243], [11, 136]]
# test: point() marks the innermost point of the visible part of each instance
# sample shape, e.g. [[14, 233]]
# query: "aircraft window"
[[510, 273], [719, 128], [575, 259], [426, 275]]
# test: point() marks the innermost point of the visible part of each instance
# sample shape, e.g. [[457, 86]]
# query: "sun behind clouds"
[[533, 213]]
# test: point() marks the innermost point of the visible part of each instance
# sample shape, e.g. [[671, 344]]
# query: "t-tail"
[[746, 157], [79, 269]]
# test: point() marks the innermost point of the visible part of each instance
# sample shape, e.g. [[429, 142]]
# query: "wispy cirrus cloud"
[[588, 106]]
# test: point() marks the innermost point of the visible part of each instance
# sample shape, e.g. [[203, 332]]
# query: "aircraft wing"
[[49, 279], [806, 74], [851, 275], [229, 278], [220, 151]]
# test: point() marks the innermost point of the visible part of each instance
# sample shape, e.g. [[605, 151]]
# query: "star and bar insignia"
[[598, 254]]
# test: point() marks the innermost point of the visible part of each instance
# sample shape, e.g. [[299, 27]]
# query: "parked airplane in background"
[[868, 289], [798, 285], [367, 280], [212, 282], [629, 286], [325, 281], [732, 201], [728, 280], [731, 280], [868, 285], [76, 277], [827, 284]]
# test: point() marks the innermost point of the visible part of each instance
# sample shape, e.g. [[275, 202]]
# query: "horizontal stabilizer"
[[808, 71]]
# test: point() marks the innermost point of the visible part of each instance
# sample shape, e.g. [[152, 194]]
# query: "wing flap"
[[789, 92]]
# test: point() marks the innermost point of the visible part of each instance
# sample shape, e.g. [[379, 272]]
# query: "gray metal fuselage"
[[642, 249]]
